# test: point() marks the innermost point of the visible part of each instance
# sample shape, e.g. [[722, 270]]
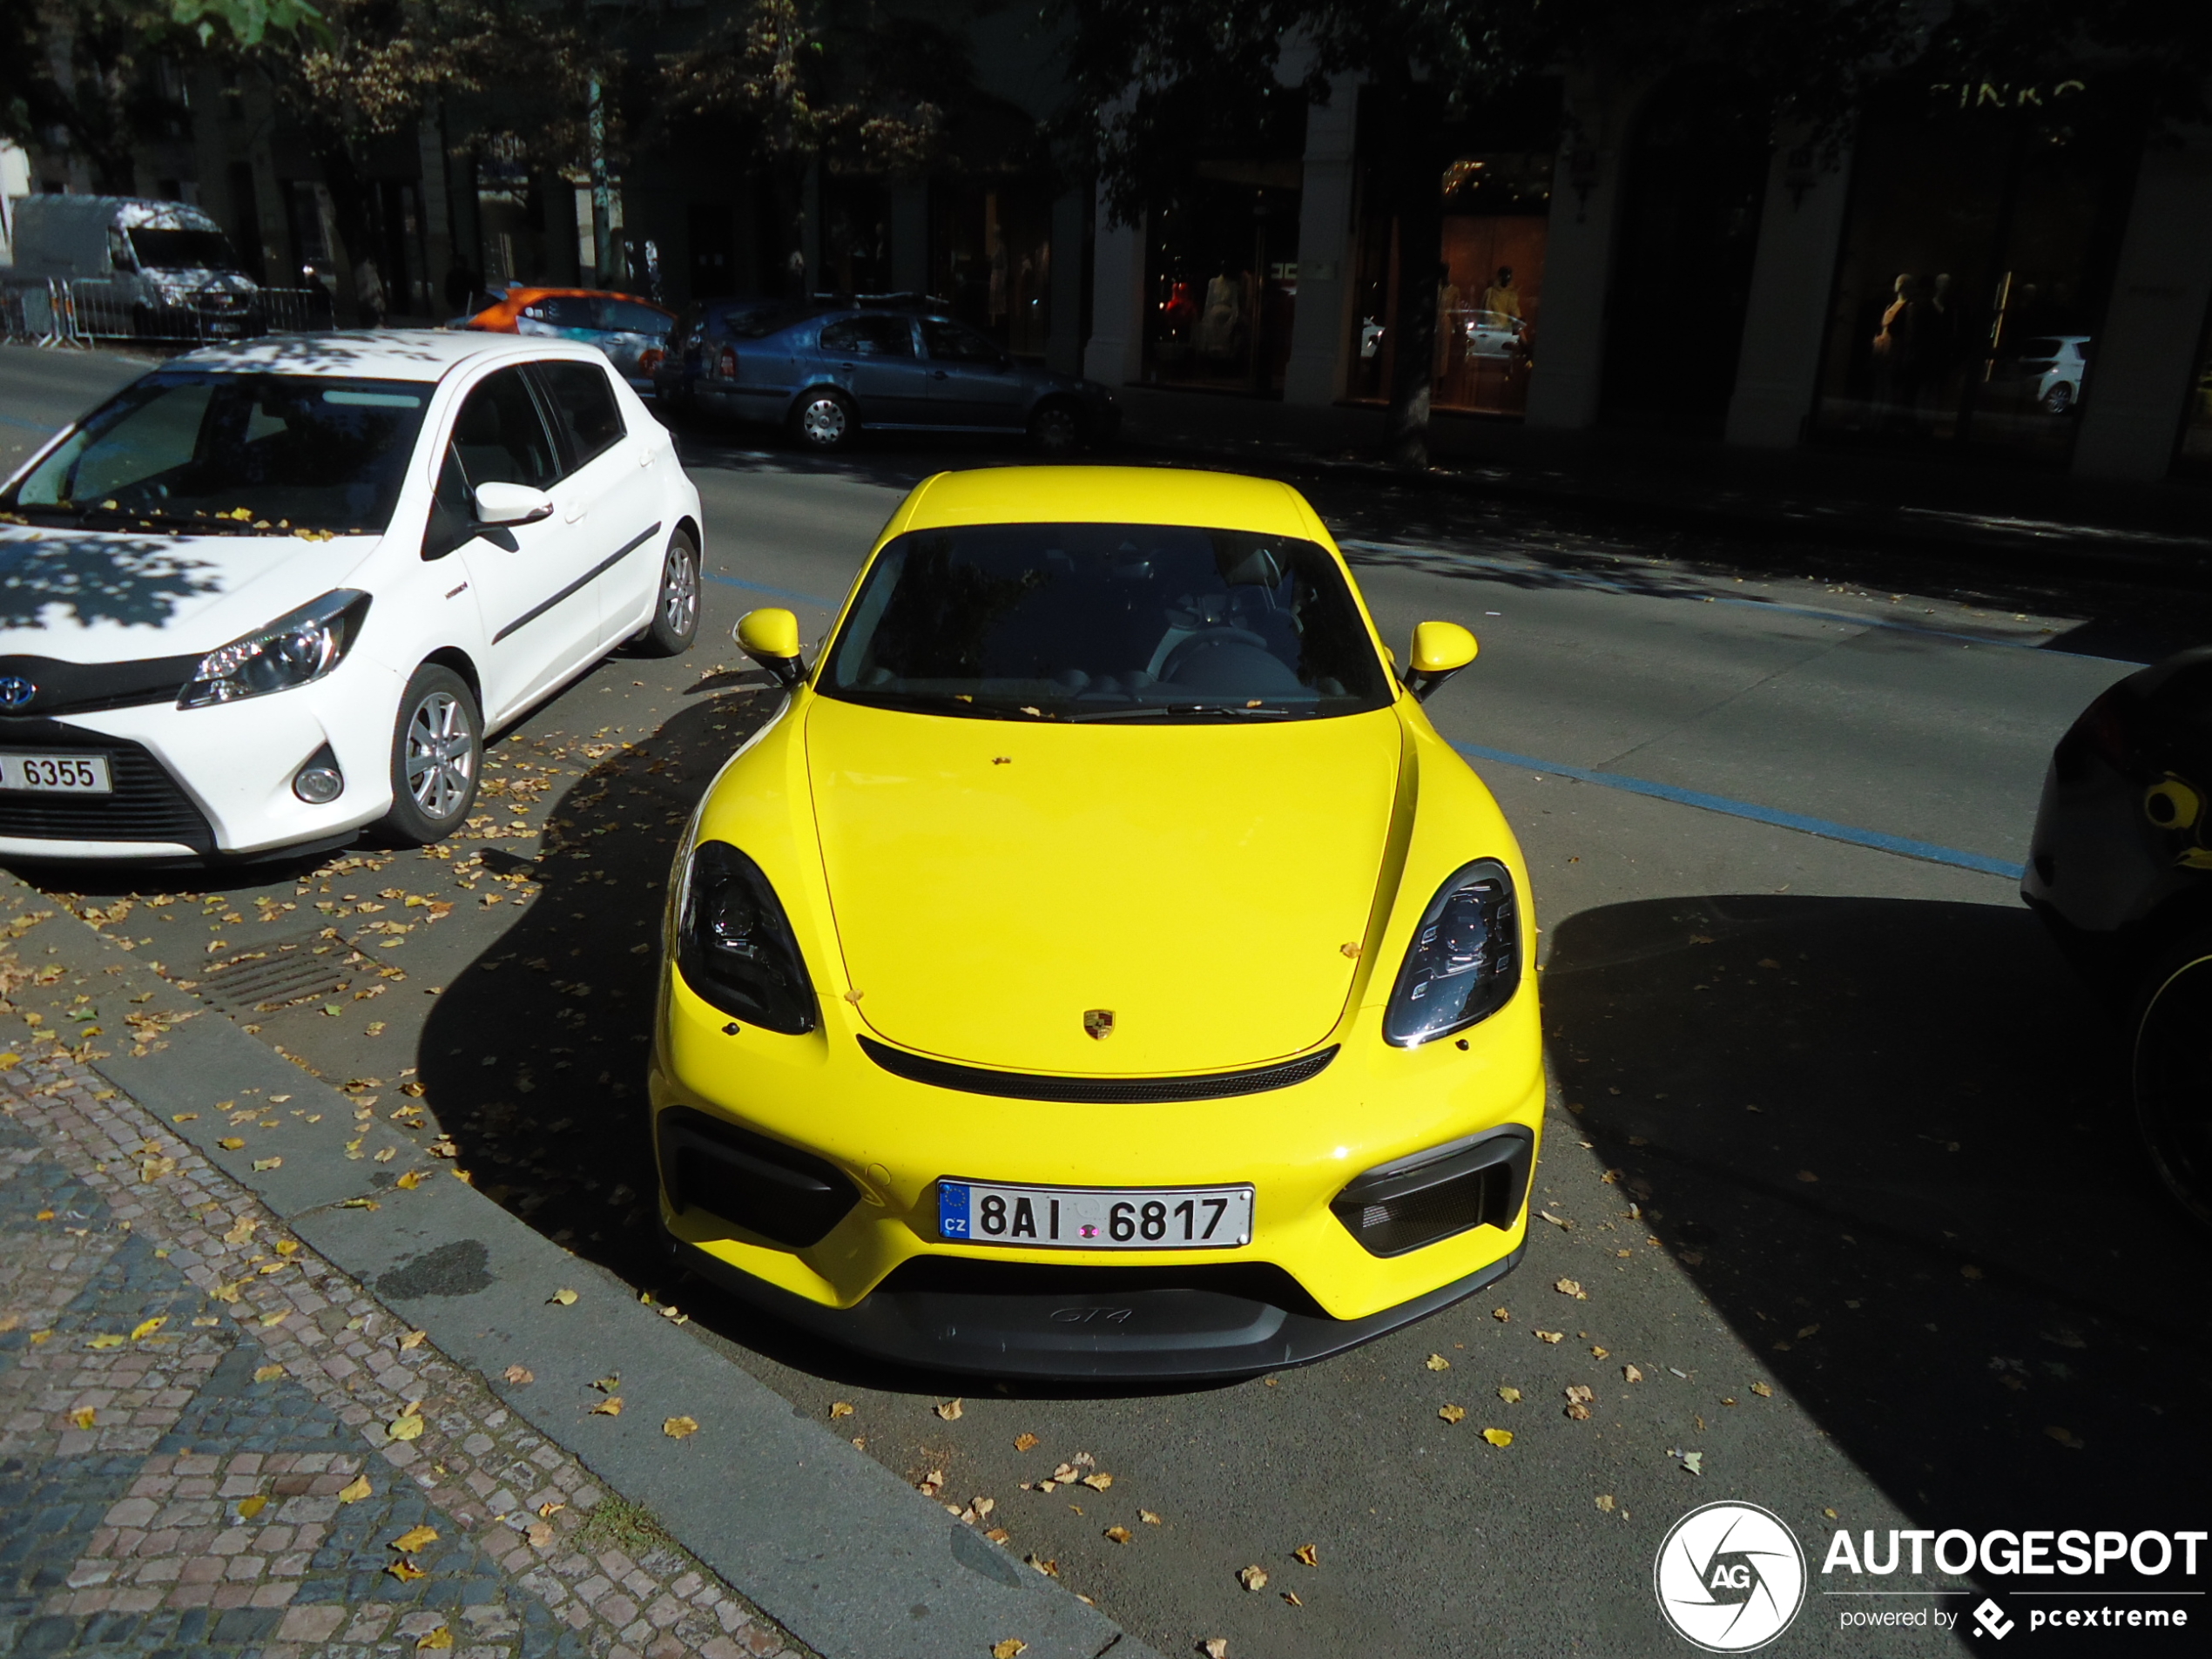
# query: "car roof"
[[1110, 496], [380, 353]]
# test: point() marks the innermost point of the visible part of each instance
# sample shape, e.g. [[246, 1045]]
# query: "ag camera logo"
[[1730, 1577]]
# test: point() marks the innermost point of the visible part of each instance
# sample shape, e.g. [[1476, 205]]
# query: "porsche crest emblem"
[[1098, 1023]]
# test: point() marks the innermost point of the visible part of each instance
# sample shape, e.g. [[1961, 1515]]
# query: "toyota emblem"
[[16, 692]]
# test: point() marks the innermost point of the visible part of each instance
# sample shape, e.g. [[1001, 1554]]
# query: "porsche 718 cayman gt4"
[[1099, 965]]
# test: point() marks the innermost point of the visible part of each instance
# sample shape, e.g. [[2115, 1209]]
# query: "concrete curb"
[[822, 1538]]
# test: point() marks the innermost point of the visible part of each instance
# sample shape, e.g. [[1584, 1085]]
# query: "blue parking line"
[[1904, 846], [774, 593], [33, 426]]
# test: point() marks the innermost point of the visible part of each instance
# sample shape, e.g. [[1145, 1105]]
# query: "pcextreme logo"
[[1730, 1577]]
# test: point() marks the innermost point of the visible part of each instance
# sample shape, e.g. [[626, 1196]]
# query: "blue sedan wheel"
[[823, 421]]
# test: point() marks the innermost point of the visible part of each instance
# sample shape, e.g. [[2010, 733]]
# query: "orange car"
[[633, 333]]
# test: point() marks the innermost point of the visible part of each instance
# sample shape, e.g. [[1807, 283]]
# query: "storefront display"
[[1974, 271], [1489, 292], [2192, 455], [1222, 279], [990, 249]]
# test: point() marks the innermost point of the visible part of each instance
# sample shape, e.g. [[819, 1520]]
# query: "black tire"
[[2170, 1072], [2058, 399], [1056, 428], [824, 419], [675, 606], [437, 755]]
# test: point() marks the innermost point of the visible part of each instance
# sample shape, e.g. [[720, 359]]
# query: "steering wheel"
[[1218, 635]]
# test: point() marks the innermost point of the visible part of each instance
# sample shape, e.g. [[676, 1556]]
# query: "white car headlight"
[[294, 650]]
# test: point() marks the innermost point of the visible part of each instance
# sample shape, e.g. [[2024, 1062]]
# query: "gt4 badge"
[[1098, 1023]]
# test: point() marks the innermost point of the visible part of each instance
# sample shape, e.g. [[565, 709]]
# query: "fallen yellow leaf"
[[83, 1416], [1498, 1436], [1119, 1535], [1568, 1287], [1148, 1517], [1012, 1648], [1254, 1577], [1632, 1373], [1550, 1335], [1024, 1442], [565, 1297], [406, 1571], [839, 1408], [230, 1144], [519, 1375], [677, 1427], [1453, 1413], [413, 1339], [1511, 1396], [1215, 1648], [437, 1641], [548, 1510], [146, 1328], [249, 1507], [540, 1533], [355, 1490], [1762, 1391], [408, 1181], [1437, 1362], [276, 1317], [950, 1411], [610, 1406], [105, 1342], [406, 1427], [1099, 1480], [414, 1538], [267, 1374], [1308, 1554], [268, 1163], [1605, 1503]]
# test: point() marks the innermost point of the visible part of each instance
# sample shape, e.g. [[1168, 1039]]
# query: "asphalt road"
[[1834, 1148]]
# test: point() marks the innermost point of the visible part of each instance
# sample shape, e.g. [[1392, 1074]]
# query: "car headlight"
[[734, 947], [1464, 961], [293, 650]]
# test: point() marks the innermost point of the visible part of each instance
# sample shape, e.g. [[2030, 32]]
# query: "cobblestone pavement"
[[212, 1441]]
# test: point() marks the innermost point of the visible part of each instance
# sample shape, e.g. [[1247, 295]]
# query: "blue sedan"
[[827, 373]]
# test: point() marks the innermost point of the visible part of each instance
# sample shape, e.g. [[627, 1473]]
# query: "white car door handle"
[[575, 510], [644, 457]]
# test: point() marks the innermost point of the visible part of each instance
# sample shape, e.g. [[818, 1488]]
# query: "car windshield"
[[759, 322], [159, 250], [239, 454], [1106, 622]]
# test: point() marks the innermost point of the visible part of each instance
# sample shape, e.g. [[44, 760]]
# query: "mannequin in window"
[[1502, 296], [1221, 328], [1898, 350]]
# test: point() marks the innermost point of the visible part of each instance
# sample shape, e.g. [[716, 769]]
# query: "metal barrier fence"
[[59, 311]]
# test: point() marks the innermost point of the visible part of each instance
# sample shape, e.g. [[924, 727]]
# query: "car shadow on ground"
[[1886, 1140]]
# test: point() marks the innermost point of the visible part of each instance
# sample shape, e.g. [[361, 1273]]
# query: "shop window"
[[856, 236], [1221, 272], [1693, 182], [1974, 271], [990, 249], [1490, 289]]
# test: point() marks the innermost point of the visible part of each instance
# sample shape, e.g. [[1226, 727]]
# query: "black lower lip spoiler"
[[1190, 1334]]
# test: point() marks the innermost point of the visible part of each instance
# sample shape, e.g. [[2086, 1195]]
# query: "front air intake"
[[750, 1180], [1402, 1206]]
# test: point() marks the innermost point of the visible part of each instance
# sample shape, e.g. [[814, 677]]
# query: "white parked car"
[[274, 593]]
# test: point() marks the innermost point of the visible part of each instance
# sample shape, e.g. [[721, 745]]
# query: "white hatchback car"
[[274, 593]]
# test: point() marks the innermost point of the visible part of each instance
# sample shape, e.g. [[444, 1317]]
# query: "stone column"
[[1071, 215], [1578, 251], [1115, 354], [910, 237], [1792, 275], [1321, 325], [2142, 369]]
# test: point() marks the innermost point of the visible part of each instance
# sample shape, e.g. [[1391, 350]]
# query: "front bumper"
[[212, 783], [879, 1278], [1089, 1323]]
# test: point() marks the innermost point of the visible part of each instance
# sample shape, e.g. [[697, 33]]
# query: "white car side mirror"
[[498, 504]]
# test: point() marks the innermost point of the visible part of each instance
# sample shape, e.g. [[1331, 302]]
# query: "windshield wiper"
[[1268, 709]]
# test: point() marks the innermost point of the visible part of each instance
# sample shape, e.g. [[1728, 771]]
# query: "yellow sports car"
[[1099, 966]]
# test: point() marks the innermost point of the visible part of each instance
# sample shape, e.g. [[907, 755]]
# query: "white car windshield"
[[1106, 622], [204, 453]]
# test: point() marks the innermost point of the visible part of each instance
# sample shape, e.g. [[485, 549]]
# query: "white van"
[[153, 269]]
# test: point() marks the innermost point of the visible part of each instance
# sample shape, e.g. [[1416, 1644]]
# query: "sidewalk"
[[273, 1382], [1957, 507], [201, 1426]]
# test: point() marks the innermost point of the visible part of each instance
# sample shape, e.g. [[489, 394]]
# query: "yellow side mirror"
[[1440, 650], [771, 639]]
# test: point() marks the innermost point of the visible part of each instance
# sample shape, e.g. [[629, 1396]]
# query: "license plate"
[[56, 774], [979, 1212]]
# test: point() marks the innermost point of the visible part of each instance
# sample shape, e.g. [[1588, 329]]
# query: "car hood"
[[992, 882], [108, 597]]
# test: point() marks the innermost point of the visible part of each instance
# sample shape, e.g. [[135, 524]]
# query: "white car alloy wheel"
[[441, 755], [676, 611], [435, 754]]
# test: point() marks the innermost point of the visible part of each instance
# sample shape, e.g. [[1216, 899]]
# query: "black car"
[[2120, 871], [826, 372]]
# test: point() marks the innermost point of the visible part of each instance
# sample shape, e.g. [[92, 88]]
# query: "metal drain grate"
[[278, 975]]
